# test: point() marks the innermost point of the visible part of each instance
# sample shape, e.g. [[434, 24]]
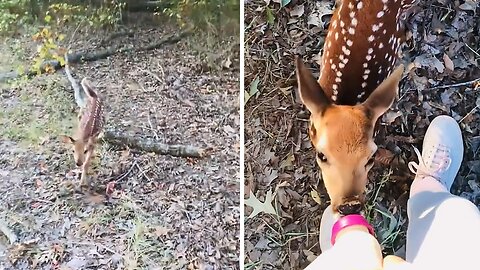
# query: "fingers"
[[392, 262]]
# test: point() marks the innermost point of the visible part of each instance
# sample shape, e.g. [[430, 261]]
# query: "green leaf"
[[48, 18], [270, 17], [246, 97], [285, 2], [254, 86]]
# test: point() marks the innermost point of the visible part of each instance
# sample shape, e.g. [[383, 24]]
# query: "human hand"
[[355, 248]]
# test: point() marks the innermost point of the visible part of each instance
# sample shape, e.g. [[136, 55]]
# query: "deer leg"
[[86, 165]]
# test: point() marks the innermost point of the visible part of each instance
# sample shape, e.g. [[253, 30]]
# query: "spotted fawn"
[[91, 122], [358, 83]]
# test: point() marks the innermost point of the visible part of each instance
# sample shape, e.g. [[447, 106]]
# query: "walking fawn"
[[357, 85], [91, 121]]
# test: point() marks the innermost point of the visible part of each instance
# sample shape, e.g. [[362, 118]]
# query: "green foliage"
[[57, 17], [48, 49], [223, 15], [13, 13], [105, 16]]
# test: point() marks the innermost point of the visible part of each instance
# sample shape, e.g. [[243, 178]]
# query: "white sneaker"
[[442, 152]]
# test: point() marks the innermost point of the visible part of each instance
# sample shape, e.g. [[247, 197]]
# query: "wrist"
[[350, 221]]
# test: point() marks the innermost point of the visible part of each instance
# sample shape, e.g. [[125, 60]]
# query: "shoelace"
[[440, 162]]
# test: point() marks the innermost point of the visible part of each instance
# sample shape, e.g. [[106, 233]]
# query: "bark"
[[150, 145]]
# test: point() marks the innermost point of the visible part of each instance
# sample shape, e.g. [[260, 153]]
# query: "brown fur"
[[344, 135], [91, 122]]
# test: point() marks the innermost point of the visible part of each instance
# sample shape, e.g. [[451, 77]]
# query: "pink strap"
[[347, 221]]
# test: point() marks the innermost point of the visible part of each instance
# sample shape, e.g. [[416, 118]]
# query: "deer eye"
[[321, 157], [86, 150]]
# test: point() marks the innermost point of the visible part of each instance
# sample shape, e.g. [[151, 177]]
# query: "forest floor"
[[164, 212], [442, 49]]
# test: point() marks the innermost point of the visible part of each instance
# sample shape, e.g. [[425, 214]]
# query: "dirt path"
[[165, 212], [442, 49]]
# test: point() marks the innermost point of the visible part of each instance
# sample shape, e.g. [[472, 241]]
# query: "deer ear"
[[310, 92], [383, 96], [67, 139]]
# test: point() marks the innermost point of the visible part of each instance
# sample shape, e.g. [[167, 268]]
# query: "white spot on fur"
[[334, 98], [370, 51], [337, 79], [364, 84], [360, 5], [380, 14], [342, 24], [365, 77], [352, 14], [339, 74], [334, 66], [349, 42], [345, 61], [366, 71], [335, 87], [351, 31], [365, 65], [336, 35], [371, 38], [341, 65], [380, 45], [368, 57], [384, 31], [350, 5], [354, 22], [375, 28], [345, 50]]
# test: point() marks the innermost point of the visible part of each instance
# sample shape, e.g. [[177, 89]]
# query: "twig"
[[12, 237], [452, 85], [469, 113], [475, 52], [127, 173], [151, 126], [143, 173]]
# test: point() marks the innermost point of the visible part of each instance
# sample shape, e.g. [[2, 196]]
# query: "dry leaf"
[[448, 62], [259, 207], [162, 231], [297, 11], [315, 196]]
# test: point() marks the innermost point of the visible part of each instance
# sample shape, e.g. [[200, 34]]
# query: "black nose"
[[350, 208], [79, 163]]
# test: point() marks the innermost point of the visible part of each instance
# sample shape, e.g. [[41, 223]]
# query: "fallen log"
[[89, 57], [149, 145]]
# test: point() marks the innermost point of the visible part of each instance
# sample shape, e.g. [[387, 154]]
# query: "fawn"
[[91, 122], [357, 85]]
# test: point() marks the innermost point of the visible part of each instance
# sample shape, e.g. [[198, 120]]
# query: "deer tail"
[[79, 95], [88, 89]]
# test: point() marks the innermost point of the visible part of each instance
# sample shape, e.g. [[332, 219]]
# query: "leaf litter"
[[145, 211], [442, 49]]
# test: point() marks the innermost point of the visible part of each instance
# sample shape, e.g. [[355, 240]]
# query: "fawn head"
[[342, 136], [80, 149]]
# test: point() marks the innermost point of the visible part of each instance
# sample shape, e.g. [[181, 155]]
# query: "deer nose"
[[79, 163], [350, 208]]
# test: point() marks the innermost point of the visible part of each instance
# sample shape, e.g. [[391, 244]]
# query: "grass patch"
[[36, 111]]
